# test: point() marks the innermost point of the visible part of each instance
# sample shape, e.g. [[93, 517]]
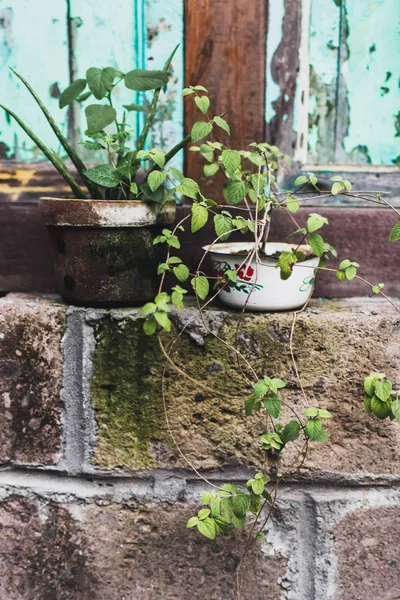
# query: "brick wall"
[[94, 497]]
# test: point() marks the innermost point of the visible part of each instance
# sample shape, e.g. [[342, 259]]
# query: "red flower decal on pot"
[[244, 273]]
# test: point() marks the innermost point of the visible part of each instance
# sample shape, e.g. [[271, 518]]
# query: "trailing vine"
[[251, 178]]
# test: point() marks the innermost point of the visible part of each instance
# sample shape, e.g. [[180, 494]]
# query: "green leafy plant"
[[110, 136], [251, 180]]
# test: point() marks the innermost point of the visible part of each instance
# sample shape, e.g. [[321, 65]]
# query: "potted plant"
[[102, 237], [252, 180]]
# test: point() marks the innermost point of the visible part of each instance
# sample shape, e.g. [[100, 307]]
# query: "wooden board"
[[225, 52]]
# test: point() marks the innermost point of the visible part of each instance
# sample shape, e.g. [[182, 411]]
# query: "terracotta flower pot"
[[103, 249]]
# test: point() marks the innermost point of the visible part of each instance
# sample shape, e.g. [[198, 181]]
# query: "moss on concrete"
[[334, 350], [126, 394]]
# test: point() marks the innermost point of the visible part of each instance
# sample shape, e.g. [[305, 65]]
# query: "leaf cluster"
[[230, 506], [379, 398]]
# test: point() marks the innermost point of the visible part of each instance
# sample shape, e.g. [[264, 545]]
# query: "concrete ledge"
[[94, 497], [336, 344]]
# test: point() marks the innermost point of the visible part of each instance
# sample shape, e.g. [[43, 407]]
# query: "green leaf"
[[348, 185], [377, 288], [273, 406], [241, 504], [104, 175], [206, 497], [290, 432], [201, 88], [249, 405], [379, 408], [337, 188], [199, 216], [344, 264], [141, 80], [150, 326], [200, 130], [231, 160], [324, 414], [261, 388], [71, 92], [315, 222], [223, 226], [193, 521], [158, 156], [367, 404], [257, 485], [238, 522], [310, 412], [221, 526], [148, 308], [173, 241], [292, 204], [155, 179], [93, 145], [234, 192], [350, 273], [203, 103], [133, 188], [181, 272], [163, 320], [396, 409], [84, 97], [189, 188], [315, 430], [215, 505], [223, 124], [369, 382], [98, 116], [285, 263], [395, 233], [301, 180], [210, 169], [203, 513], [227, 509], [157, 196], [317, 244], [383, 389], [336, 178], [201, 286], [100, 81], [207, 528], [176, 174], [255, 502], [137, 107]]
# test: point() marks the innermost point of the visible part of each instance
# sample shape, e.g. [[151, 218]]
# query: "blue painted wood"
[[354, 96], [371, 80], [125, 34], [33, 40], [165, 30]]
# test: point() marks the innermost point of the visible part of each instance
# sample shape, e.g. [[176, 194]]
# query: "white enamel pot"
[[260, 284]]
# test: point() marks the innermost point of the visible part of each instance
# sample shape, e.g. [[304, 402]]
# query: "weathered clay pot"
[[103, 249]]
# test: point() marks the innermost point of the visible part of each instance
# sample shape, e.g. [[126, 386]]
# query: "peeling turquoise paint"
[[34, 42], [371, 78], [274, 37], [354, 51], [165, 30], [124, 34]]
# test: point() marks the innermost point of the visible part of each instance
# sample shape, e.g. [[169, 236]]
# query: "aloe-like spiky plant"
[[109, 133]]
